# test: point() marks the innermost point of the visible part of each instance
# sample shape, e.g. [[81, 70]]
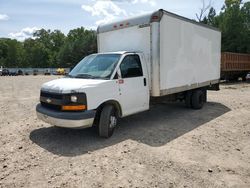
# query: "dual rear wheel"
[[195, 99]]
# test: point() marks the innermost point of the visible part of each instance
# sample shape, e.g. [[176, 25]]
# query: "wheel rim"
[[113, 122]]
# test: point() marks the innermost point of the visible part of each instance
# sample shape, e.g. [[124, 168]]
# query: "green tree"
[[245, 10], [11, 53], [210, 19], [36, 54], [79, 43], [3, 52], [234, 23], [232, 26], [52, 42]]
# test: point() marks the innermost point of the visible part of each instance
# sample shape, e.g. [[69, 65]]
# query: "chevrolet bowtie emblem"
[[48, 100]]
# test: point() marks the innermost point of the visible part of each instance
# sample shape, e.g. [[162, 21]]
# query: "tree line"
[[48, 49], [54, 49], [234, 23]]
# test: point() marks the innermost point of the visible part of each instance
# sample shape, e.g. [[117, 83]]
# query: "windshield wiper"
[[70, 76], [86, 76]]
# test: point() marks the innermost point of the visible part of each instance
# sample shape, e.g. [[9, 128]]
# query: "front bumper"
[[66, 119]]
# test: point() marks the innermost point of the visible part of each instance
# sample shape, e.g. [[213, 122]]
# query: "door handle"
[[145, 81]]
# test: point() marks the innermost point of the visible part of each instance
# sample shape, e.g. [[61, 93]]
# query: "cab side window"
[[131, 67]]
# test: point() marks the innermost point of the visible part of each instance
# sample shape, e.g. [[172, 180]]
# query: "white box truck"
[[157, 56]]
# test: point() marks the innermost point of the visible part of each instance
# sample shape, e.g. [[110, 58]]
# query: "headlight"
[[73, 98], [74, 102]]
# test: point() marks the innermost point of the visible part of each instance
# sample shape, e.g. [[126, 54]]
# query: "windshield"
[[96, 66]]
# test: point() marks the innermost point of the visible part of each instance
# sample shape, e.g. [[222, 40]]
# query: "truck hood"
[[71, 85]]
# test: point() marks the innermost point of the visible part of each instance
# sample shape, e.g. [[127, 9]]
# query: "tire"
[[108, 121], [205, 95], [243, 77], [198, 99], [188, 99]]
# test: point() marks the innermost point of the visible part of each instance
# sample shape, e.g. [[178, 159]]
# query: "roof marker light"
[[155, 17]]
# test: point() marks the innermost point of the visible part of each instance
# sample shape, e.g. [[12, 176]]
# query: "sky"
[[20, 18]]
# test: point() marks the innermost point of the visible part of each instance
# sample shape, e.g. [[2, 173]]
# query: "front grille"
[[51, 106], [51, 95], [56, 100]]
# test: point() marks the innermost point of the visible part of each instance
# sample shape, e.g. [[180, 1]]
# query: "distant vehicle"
[[60, 71], [47, 73], [13, 73], [19, 72], [234, 66], [5, 72], [158, 56], [35, 72], [248, 77]]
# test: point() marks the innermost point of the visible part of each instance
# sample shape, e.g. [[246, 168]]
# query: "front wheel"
[[108, 121]]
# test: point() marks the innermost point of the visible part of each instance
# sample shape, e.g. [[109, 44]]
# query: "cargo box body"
[[181, 54]]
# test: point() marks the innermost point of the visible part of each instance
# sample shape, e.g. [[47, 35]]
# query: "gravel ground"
[[168, 146]]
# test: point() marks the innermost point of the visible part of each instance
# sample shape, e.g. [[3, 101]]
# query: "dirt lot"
[[168, 146]]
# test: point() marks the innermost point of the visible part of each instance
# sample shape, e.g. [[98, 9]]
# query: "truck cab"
[[100, 89]]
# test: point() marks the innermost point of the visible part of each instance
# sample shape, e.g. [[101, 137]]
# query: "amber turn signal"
[[74, 108]]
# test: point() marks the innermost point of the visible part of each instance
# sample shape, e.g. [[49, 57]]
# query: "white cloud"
[[106, 10], [91, 27], [24, 33], [151, 2], [139, 13], [4, 17]]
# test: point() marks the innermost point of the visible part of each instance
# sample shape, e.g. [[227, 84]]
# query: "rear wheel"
[[108, 121], [188, 99], [205, 95], [244, 77], [198, 99]]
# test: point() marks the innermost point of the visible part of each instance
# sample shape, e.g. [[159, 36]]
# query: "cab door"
[[133, 85]]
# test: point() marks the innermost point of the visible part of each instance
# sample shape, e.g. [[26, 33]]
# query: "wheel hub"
[[113, 121]]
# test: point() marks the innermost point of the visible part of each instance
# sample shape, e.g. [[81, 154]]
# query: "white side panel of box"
[[133, 39], [189, 54]]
